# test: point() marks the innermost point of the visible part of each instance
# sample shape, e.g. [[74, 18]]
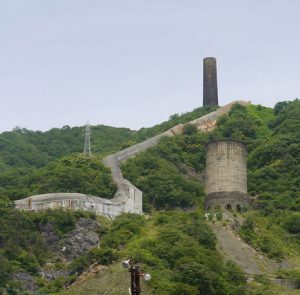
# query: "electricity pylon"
[[87, 143]]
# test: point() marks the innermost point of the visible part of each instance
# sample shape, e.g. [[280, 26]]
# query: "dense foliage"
[[275, 164], [178, 249], [74, 173], [163, 187], [25, 148]]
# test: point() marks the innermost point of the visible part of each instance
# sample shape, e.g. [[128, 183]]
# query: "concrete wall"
[[73, 201], [226, 173]]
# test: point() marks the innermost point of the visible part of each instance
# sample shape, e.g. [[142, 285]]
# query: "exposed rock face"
[[75, 243], [27, 282], [49, 235], [52, 274], [81, 239]]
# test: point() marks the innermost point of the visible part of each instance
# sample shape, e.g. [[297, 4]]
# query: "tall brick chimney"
[[210, 84]]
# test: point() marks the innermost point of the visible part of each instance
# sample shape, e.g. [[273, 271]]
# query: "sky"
[[134, 63]]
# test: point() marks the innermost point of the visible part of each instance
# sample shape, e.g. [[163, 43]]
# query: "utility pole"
[[87, 143], [135, 275], [135, 280]]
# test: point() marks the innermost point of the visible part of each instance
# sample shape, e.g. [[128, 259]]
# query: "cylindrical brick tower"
[[210, 85], [226, 175]]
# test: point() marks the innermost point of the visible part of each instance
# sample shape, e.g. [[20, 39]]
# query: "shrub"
[[5, 270], [292, 223], [28, 262], [123, 229], [103, 256]]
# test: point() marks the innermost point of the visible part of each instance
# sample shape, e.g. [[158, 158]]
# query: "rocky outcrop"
[[77, 242], [49, 235], [51, 275], [80, 240]]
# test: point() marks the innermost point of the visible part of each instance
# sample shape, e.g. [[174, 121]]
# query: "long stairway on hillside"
[[130, 197]]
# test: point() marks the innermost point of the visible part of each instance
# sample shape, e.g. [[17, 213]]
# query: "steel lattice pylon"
[[87, 143]]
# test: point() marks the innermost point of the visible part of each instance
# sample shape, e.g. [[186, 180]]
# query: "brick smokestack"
[[210, 85]]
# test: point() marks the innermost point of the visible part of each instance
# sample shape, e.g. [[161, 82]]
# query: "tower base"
[[227, 201]]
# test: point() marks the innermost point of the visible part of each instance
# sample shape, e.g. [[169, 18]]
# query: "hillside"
[[34, 162], [176, 245], [73, 173], [26, 148]]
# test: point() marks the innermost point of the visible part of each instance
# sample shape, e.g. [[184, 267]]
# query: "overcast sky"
[[133, 63]]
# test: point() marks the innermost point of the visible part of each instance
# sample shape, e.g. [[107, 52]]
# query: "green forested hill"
[[73, 173], [34, 162], [275, 163], [175, 245], [273, 142], [26, 148], [169, 173]]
